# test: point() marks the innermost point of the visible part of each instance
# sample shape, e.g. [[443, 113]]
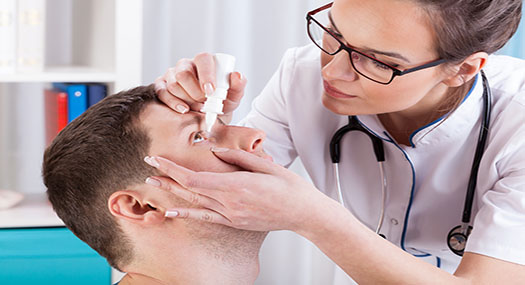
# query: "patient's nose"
[[247, 139]]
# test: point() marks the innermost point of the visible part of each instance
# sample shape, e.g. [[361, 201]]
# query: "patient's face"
[[182, 138]]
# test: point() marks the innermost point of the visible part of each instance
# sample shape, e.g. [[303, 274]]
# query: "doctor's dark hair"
[[463, 27], [95, 155]]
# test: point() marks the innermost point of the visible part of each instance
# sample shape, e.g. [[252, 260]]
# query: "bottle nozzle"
[[210, 120]]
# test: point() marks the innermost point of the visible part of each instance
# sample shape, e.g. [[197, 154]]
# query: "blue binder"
[[76, 98], [96, 92]]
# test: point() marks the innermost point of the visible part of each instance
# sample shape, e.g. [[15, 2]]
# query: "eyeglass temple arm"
[[313, 12], [430, 64]]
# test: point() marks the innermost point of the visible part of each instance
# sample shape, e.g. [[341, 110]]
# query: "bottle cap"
[[224, 65]]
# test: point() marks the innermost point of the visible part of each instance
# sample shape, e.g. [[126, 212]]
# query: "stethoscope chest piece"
[[457, 239]]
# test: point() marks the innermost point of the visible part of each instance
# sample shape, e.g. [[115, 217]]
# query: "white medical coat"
[[427, 181]]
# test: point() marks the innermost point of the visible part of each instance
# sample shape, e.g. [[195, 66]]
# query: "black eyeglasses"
[[328, 40]]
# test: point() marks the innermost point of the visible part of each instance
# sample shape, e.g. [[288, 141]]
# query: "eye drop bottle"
[[224, 65]]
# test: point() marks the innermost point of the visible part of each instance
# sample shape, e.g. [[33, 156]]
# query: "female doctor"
[[416, 81]]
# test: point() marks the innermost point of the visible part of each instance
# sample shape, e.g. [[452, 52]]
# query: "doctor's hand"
[[264, 197], [184, 86]]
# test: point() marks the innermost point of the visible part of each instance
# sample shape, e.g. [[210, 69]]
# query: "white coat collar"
[[445, 128]]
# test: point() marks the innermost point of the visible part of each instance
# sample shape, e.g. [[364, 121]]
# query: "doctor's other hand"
[[184, 86], [263, 197]]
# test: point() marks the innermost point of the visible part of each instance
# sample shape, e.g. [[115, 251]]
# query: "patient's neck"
[[220, 262]]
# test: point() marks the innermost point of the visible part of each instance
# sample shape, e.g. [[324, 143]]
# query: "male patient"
[[94, 173]]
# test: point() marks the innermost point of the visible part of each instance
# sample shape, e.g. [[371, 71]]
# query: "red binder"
[[55, 113]]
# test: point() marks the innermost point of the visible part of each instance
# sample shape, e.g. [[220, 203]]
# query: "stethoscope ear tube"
[[354, 125], [335, 155], [458, 236], [480, 148]]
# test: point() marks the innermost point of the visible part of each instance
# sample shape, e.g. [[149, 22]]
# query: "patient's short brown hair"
[[95, 155]]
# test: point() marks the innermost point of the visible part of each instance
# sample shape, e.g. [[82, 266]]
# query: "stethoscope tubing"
[[355, 125], [383, 192], [480, 148]]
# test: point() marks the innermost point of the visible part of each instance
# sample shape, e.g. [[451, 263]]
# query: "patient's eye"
[[199, 137]]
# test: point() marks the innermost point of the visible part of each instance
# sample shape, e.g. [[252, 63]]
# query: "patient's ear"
[[134, 207], [467, 69]]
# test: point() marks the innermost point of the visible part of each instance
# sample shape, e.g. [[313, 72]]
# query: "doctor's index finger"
[[184, 76], [205, 65], [204, 215], [199, 182], [196, 199], [172, 101], [247, 161]]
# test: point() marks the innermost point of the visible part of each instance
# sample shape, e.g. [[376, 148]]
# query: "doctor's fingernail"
[[153, 182], [151, 161], [181, 109], [241, 77], [208, 88], [219, 149], [160, 86], [171, 214]]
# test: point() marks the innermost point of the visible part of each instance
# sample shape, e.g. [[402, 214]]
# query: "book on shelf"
[[55, 112], [81, 96], [96, 92], [66, 101], [76, 98], [30, 42], [7, 36]]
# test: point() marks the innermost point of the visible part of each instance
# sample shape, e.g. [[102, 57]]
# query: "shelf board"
[[34, 211], [61, 74]]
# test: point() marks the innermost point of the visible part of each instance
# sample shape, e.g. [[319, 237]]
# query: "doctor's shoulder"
[[506, 142], [302, 60], [299, 75], [506, 74]]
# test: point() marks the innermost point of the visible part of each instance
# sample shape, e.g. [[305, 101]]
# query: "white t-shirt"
[[427, 181]]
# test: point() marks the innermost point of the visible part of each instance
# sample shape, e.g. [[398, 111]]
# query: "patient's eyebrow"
[[190, 122]]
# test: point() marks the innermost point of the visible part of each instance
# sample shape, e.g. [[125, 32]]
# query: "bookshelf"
[[85, 41]]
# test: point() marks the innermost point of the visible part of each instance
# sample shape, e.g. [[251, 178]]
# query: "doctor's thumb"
[[245, 160]]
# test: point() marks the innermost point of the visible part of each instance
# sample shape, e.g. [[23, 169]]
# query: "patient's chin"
[[229, 243], [206, 230]]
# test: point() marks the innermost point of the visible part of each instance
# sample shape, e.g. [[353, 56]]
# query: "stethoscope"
[[457, 237]]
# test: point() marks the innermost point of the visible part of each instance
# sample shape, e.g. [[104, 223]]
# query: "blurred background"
[[127, 43]]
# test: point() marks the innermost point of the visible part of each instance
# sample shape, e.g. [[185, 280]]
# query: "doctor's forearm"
[[364, 255]]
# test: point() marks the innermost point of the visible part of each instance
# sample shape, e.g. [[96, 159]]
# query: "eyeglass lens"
[[327, 42]]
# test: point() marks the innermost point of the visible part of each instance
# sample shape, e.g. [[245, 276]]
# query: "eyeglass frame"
[[349, 50]]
